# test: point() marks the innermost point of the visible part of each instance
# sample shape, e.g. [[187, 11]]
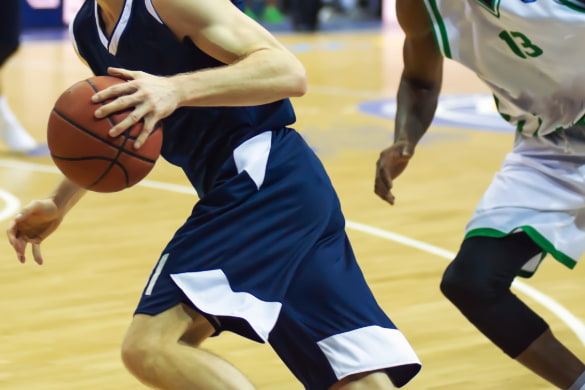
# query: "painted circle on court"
[[473, 112]]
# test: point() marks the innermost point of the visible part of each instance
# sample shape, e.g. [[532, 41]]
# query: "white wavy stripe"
[[574, 323]]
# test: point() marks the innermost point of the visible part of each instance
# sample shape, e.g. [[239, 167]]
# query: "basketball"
[[82, 149]]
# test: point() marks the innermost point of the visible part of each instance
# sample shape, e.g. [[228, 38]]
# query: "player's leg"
[[364, 381], [11, 131], [478, 282], [549, 358], [163, 352]]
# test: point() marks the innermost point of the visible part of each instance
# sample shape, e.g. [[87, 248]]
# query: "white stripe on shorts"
[[210, 292], [367, 349]]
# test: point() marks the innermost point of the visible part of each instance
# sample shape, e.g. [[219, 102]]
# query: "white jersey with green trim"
[[529, 52]]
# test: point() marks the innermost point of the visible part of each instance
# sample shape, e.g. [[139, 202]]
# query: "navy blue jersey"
[[9, 29], [197, 139]]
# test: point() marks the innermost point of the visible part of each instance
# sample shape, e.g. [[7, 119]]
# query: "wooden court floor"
[[62, 323]]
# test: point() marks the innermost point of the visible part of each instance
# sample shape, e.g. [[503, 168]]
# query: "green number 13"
[[520, 44]]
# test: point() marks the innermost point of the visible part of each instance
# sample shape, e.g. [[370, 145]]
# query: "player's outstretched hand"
[[151, 98], [32, 225], [390, 164]]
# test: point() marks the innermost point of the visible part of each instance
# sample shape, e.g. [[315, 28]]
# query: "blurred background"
[[277, 15]]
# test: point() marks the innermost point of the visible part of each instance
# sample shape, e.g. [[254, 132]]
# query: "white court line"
[[12, 204], [556, 308], [553, 306]]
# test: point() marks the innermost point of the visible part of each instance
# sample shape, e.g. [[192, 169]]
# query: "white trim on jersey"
[[120, 27], [103, 37], [151, 10], [210, 292], [435, 25], [72, 37]]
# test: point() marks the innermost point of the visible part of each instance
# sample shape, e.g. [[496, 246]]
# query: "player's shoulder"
[[413, 17]]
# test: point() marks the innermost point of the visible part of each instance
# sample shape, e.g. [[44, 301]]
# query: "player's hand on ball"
[[32, 225], [152, 98], [390, 164]]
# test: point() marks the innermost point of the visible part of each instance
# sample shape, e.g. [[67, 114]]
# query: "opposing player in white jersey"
[[530, 54]]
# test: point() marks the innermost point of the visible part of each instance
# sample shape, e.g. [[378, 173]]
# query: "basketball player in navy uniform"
[[13, 135], [264, 252], [530, 54]]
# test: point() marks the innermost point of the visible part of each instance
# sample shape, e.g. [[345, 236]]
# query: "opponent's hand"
[[32, 225], [150, 97], [390, 164]]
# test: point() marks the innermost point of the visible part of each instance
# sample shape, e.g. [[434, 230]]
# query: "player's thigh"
[[376, 380]]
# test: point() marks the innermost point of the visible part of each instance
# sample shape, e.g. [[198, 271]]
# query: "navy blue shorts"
[[9, 29], [264, 254]]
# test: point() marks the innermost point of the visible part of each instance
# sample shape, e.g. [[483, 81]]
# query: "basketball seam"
[[119, 148], [126, 134], [112, 163]]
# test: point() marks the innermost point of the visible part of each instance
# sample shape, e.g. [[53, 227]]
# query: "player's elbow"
[[300, 86], [298, 83]]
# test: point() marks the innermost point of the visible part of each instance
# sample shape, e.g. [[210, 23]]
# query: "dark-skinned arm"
[[418, 93]]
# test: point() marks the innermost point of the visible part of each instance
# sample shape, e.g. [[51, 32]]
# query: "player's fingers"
[[142, 137], [122, 73], [383, 177], [148, 127], [390, 197], [20, 249], [121, 98], [11, 232], [131, 119], [20, 254], [383, 182], [36, 249], [384, 192], [16, 243]]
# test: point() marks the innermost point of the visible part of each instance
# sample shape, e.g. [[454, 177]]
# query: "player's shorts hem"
[[538, 238], [371, 348]]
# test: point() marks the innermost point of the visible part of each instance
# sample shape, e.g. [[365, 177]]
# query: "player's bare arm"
[[37, 220], [261, 69], [418, 93], [258, 69]]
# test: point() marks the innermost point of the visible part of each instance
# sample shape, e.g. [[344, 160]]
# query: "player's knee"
[[466, 288], [7, 49], [139, 355]]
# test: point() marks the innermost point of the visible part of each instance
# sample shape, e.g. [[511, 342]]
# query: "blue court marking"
[[469, 111], [332, 45]]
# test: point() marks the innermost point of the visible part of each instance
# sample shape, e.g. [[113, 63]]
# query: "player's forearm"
[[263, 77], [416, 106], [66, 194]]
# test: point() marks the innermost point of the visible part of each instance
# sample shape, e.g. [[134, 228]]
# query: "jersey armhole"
[[438, 26]]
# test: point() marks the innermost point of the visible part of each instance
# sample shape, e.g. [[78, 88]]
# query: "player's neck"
[[110, 11]]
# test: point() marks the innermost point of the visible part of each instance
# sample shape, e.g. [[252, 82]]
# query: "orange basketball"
[[82, 149]]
